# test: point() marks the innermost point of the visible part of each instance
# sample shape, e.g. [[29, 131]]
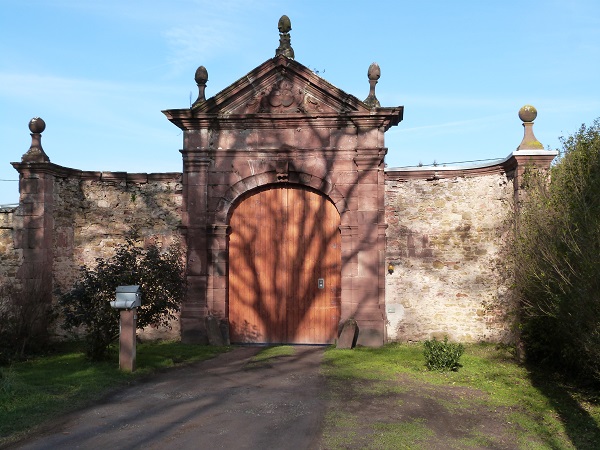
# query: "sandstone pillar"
[[34, 215], [195, 306]]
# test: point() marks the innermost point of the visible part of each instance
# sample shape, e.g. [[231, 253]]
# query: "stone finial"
[[201, 78], [373, 73], [528, 114], [285, 46], [36, 152]]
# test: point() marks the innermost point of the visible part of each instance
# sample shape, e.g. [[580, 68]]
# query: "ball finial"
[[36, 153], [527, 113], [37, 125]]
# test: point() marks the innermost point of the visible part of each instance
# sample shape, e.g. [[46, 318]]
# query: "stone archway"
[[321, 138]]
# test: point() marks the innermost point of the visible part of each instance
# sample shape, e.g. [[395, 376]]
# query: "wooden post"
[[127, 350]]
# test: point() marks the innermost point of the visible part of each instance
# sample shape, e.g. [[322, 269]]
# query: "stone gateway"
[[291, 223]]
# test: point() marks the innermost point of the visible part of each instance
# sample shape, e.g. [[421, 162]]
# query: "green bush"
[[556, 258], [160, 275], [442, 355]]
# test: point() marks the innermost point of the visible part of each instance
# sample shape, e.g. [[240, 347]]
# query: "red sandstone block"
[[242, 168], [213, 203], [344, 139], [348, 191], [305, 178], [270, 139], [251, 182], [219, 299], [350, 269], [266, 178], [219, 282], [365, 291], [335, 195], [221, 140], [241, 139], [368, 177], [345, 177], [367, 218], [195, 179], [222, 209], [368, 203], [318, 167], [370, 138], [196, 263], [344, 163], [316, 182], [32, 222], [217, 190], [192, 139], [308, 137], [294, 177], [28, 185], [196, 285], [36, 256], [260, 165], [219, 268], [369, 263], [239, 188]]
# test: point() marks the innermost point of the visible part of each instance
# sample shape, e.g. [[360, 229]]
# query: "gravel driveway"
[[224, 402]]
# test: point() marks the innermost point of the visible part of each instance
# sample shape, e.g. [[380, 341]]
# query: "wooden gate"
[[284, 268]]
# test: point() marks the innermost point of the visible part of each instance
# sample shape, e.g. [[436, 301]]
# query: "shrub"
[[160, 276], [25, 315], [556, 263], [442, 355]]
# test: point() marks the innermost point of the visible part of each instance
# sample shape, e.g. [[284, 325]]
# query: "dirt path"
[[368, 414], [221, 403]]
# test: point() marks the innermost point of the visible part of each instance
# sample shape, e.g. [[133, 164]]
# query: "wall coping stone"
[[67, 172], [467, 169]]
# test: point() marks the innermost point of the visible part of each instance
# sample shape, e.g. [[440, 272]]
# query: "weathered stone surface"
[[213, 331], [10, 256], [444, 238], [93, 216], [224, 326], [348, 335]]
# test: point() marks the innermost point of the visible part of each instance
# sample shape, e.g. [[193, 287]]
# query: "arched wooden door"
[[284, 268]]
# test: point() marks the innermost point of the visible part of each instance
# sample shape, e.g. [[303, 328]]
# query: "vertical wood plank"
[[283, 240]]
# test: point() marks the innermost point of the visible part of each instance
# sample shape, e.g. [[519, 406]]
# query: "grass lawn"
[[385, 398], [381, 398], [33, 391]]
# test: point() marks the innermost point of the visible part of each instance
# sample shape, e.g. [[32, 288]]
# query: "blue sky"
[[100, 72]]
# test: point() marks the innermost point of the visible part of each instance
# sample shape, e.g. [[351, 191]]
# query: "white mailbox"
[[128, 297]]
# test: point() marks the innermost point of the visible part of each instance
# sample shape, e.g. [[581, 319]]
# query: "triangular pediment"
[[280, 86]]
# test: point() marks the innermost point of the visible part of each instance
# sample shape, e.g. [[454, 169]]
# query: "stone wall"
[[94, 211], [444, 239], [10, 257]]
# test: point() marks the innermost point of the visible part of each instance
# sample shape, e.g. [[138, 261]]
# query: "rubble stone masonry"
[[93, 213], [444, 239]]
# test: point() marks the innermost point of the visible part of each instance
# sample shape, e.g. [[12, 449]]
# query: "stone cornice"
[[378, 118]]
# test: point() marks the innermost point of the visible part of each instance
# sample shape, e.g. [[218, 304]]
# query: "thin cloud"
[[197, 43], [460, 125], [50, 88]]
